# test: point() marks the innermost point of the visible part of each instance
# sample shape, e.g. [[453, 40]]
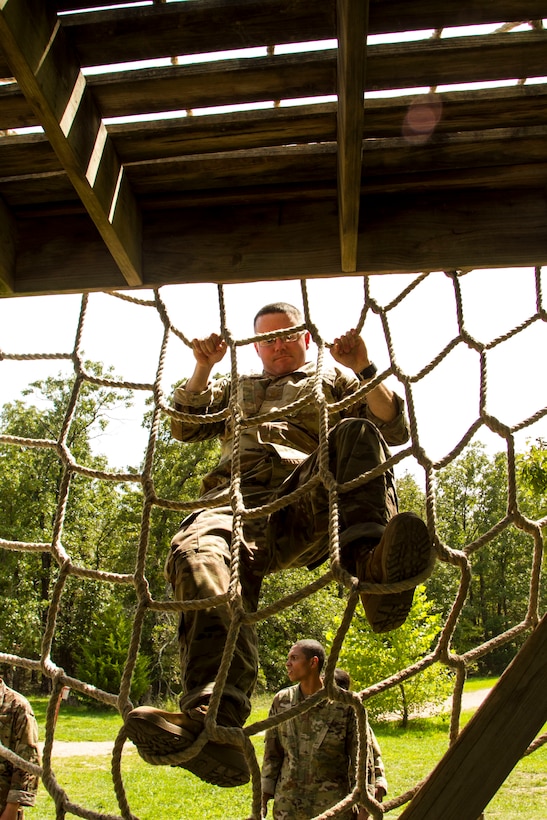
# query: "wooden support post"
[[49, 75], [492, 743], [352, 44], [7, 250]]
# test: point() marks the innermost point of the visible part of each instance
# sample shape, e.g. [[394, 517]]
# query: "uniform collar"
[[307, 369]]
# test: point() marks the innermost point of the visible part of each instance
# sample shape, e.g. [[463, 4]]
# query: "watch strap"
[[368, 372]]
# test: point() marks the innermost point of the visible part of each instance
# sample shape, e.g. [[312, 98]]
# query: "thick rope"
[[458, 558]]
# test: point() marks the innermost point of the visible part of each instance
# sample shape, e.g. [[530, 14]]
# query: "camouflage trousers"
[[198, 564]]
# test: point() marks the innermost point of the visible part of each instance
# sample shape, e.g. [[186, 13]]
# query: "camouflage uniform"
[[278, 454], [19, 733], [309, 761]]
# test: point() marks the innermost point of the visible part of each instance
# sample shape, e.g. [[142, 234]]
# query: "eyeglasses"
[[284, 337]]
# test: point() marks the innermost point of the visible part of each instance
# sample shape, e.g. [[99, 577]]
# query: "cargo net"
[[458, 559]]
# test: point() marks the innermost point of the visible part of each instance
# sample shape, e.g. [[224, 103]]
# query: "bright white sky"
[[128, 337]]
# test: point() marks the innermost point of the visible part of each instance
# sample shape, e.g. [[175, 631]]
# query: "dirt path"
[[61, 748]]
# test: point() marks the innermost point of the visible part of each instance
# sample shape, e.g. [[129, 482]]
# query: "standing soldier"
[[309, 761], [19, 734]]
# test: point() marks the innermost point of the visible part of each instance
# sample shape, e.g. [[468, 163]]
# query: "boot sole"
[[407, 553], [157, 740]]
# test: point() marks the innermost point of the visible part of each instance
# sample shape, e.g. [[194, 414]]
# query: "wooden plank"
[[397, 157], [506, 56], [471, 150], [496, 159], [7, 251], [518, 106], [400, 16], [89, 264], [352, 24], [40, 191], [24, 154], [515, 107], [452, 229], [231, 82], [197, 27], [268, 241], [49, 75], [240, 130], [222, 82], [494, 180], [117, 35], [492, 743], [50, 194], [472, 110], [389, 66]]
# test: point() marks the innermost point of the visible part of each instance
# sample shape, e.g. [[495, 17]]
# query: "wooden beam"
[[49, 76], [120, 35], [517, 107], [397, 162], [352, 39], [242, 242], [494, 159], [7, 251], [452, 229], [230, 82], [492, 743]]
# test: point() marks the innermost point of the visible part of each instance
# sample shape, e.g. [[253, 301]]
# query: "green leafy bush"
[[103, 653], [371, 657]]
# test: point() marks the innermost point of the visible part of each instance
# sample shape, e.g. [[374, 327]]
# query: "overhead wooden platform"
[[385, 160]]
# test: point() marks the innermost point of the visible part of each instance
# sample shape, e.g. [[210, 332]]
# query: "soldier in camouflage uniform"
[[278, 454], [376, 774], [309, 761], [19, 733]]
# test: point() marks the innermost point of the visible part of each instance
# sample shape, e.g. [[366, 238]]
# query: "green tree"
[[370, 657], [100, 659], [30, 486], [471, 499], [532, 472], [309, 618], [411, 496]]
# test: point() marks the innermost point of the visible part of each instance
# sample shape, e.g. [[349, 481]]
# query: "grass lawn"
[[474, 684], [166, 793], [411, 754]]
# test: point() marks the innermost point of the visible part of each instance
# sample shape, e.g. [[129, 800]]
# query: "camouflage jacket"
[[309, 762], [19, 733], [280, 424]]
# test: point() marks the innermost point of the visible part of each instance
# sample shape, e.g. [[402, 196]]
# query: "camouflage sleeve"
[[379, 768], [273, 755], [24, 785], [351, 744], [376, 772], [395, 432], [212, 400]]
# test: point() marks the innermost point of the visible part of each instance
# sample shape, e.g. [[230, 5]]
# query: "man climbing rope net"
[[278, 454]]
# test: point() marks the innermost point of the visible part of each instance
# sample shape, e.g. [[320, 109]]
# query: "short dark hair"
[[281, 307], [311, 649], [342, 678]]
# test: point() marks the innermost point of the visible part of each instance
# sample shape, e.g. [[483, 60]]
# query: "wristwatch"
[[368, 372]]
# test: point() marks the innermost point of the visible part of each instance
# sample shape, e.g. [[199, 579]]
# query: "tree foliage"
[[310, 618], [100, 659], [103, 525], [533, 472], [30, 486], [370, 657], [471, 500]]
